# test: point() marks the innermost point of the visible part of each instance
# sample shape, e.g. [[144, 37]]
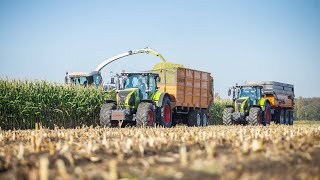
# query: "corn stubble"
[[235, 152]]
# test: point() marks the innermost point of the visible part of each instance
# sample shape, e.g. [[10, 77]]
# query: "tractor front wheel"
[[105, 114], [227, 116], [254, 116]]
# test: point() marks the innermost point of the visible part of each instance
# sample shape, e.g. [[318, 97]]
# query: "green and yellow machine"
[[260, 102], [248, 106], [138, 102]]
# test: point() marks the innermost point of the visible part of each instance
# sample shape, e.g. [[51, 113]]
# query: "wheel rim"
[[150, 122], [204, 120], [259, 118], [167, 114], [198, 119], [268, 115]]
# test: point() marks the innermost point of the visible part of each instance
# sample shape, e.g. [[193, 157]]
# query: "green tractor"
[[138, 102], [249, 106]]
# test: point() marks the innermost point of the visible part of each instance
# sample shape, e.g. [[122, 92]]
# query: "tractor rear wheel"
[[145, 115], [267, 114], [227, 116], [194, 117], [254, 116], [166, 113], [105, 114], [204, 117]]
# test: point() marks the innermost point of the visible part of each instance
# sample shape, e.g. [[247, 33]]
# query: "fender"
[[159, 104], [262, 103]]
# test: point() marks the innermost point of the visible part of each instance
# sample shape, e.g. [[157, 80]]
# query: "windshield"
[[248, 92], [135, 81]]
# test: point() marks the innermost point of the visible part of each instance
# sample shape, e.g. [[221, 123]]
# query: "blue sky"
[[234, 40]]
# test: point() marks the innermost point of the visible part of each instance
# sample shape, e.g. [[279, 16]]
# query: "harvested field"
[[213, 152]]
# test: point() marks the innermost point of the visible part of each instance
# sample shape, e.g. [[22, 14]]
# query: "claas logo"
[[117, 115]]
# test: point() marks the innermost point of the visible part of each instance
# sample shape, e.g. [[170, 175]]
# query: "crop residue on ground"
[[236, 152]]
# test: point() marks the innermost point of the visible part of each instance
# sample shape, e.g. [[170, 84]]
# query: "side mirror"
[[229, 92], [158, 79], [262, 92]]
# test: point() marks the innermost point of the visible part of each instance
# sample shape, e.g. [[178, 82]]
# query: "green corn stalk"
[[25, 103]]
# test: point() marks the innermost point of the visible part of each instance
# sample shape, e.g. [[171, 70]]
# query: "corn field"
[[24, 103]]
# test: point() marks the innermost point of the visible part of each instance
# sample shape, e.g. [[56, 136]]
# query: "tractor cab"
[[145, 83], [84, 79], [252, 92]]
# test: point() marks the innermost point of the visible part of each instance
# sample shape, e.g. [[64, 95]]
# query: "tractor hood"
[[128, 96], [242, 104]]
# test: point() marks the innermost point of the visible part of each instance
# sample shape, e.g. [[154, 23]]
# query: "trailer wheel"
[[194, 117], [254, 116], [291, 118], [204, 117], [166, 113], [286, 117], [267, 114], [277, 116], [227, 116], [145, 115], [105, 114], [282, 117]]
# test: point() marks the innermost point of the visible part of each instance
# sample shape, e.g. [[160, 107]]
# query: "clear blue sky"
[[234, 40]]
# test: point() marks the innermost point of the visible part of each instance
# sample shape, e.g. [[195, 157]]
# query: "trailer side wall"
[[187, 87]]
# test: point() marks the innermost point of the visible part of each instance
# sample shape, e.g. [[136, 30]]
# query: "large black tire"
[[286, 117], [194, 117], [166, 113], [204, 116], [145, 115], [105, 114], [277, 116], [282, 116], [227, 116], [254, 116], [267, 114], [291, 118]]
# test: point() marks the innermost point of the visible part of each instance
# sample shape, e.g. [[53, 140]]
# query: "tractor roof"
[[140, 73], [249, 86], [83, 74], [77, 74]]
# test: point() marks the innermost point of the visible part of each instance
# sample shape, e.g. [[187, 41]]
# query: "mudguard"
[[162, 96], [263, 102]]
